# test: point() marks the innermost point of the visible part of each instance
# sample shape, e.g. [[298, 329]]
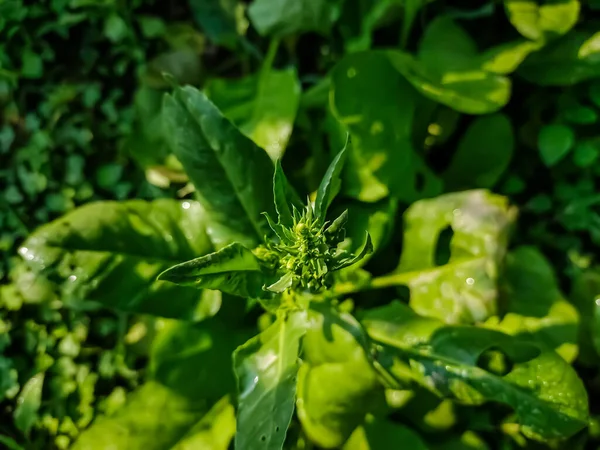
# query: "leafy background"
[[438, 97]]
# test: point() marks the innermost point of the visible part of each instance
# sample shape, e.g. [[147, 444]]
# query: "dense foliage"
[[299, 224]]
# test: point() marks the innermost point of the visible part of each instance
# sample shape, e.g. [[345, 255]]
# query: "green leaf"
[[28, 403], [469, 91], [266, 368], [365, 89], [457, 81], [214, 431], [542, 22], [234, 270], [505, 58], [445, 359], [378, 434], [218, 19], [463, 290], [585, 295], [585, 153], [115, 28], [563, 62], [263, 106], [10, 443], [285, 196], [343, 260], [111, 253], [183, 403], [554, 143], [282, 284], [446, 45], [483, 154], [535, 309], [330, 403], [226, 167], [330, 185], [285, 17], [376, 218]]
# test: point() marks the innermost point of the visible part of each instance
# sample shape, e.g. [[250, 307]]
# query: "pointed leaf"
[[285, 196], [330, 184], [111, 253], [232, 175], [266, 367], [282, 284], [233, 269], [336, 231], [352, 259]]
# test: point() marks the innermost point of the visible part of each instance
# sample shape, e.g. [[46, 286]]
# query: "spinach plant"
[[331, 345]]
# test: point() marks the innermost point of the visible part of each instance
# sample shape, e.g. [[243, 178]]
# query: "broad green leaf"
[[542, 20], [175, 407], [226, 167], [504, 59], [380, 434], [464, 289], [534, 307], [554, 143], [364, 95], [28, 403], [285, 17], [330, 185], [446, 46], [221, 20], [483, 154], [330, 403], [585, 295], [233, 269], [472, 91], [262, 106], [563, 62], [458, 80], [446, 361], [266, 368], [111, 253], [285, 196], [585, 153]]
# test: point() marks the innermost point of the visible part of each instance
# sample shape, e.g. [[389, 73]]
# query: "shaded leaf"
[[234, 270], [226, 167], [365, 89], [266, 368], [218, 19], [183, 400], [28, 403], [263, 106], [448, 364], [555, 142], [483, 154], [377, 434], [585, 295], [111, 253], [284, 17], [559, 63], [343, 260]]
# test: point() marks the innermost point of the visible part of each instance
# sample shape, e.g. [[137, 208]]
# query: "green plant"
[[342, 367]]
